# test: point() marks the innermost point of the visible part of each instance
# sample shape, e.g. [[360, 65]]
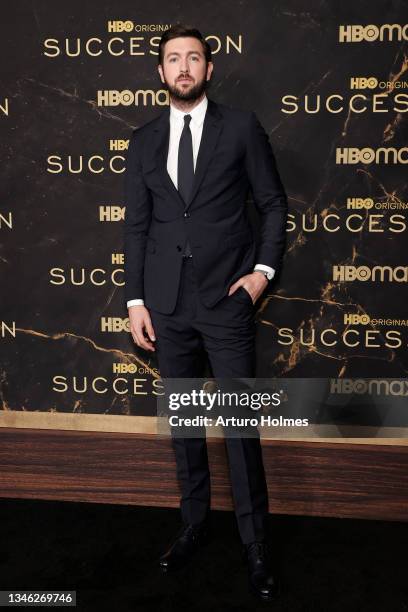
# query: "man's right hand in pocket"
[[141, 327]]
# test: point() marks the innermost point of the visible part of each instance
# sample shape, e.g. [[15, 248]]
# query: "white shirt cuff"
[[137, 302], [265, 269]]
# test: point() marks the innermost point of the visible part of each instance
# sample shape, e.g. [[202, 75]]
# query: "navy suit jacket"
[[235, 155]]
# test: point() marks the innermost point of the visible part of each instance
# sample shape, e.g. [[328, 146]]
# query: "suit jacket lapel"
[[212, 127], [211, 132]]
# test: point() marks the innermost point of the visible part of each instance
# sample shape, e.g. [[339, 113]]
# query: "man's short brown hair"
[[178, 31]]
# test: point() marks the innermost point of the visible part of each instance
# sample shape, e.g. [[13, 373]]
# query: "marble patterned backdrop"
[[64, 343]]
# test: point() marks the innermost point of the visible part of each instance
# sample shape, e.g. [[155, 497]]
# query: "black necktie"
[[185, 168]]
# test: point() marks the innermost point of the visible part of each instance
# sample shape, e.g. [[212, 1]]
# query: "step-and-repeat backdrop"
[[329, 83]]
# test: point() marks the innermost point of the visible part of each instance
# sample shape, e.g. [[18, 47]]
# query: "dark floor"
[[108, 554]]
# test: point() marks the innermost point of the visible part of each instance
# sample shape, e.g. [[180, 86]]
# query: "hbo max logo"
[[370, 33], [381, 274]]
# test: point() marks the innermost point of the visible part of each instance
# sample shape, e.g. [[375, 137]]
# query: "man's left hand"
[[254, 283]]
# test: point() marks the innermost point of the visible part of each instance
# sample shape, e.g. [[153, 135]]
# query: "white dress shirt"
[[196, 127]]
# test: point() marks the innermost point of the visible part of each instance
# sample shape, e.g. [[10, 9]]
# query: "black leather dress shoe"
[[189, 539], [261, 580]]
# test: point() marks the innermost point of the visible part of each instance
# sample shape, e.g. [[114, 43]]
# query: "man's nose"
[[184, 65]]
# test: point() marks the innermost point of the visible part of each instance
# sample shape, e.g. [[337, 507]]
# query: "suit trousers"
[[226, 334]]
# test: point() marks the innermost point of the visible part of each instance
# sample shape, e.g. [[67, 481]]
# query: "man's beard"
[[191, 94]]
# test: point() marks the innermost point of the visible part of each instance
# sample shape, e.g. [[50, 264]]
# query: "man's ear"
[[160, 70], [210, 68]]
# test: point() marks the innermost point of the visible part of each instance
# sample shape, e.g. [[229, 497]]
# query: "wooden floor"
[[309, 478]]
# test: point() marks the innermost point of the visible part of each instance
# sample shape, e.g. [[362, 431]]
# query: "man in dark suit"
[[193, 272]]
